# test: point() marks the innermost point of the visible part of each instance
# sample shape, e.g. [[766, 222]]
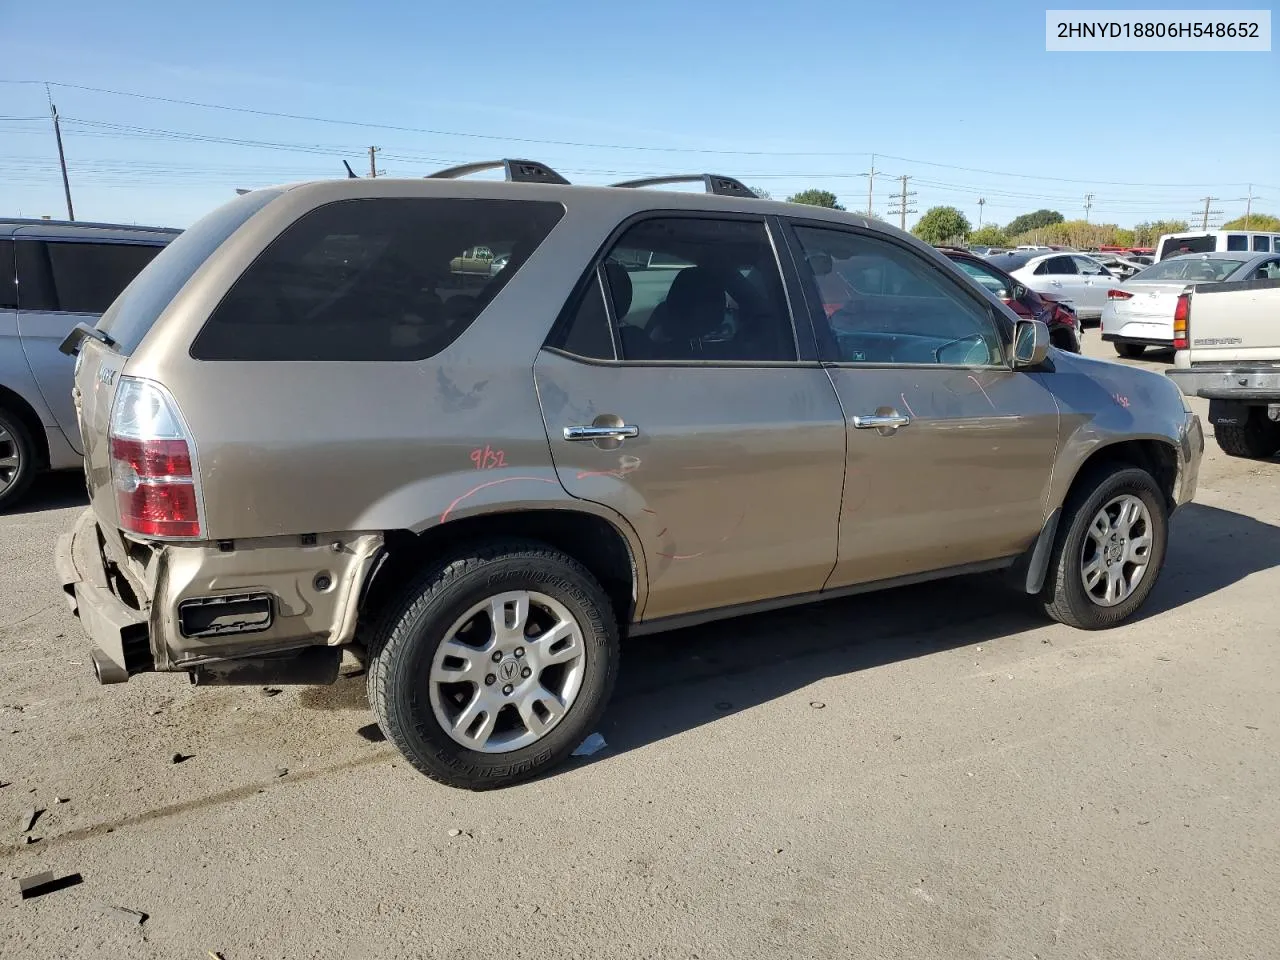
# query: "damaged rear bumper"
[[119, 636], [272, 610]]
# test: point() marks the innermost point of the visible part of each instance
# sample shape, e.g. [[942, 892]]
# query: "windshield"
[[1189, 269]]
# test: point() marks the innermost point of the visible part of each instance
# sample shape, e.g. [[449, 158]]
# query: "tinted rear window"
[[375, 279], [1175, 245], [142, 302], [87, 277]]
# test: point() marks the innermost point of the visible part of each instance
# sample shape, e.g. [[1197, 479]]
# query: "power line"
[[901, 209], [1204, 222]]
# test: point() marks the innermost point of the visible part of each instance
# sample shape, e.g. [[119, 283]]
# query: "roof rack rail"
[[714, 182], [517, 171]]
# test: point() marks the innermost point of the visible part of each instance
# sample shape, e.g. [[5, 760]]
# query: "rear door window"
[[1237, 241], [1261, 244], [375, 279], [71, 276]]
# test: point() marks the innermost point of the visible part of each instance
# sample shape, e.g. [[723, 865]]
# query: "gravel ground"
[[928, 772]]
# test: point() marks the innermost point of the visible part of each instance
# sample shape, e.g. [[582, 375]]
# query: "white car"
[[1140, 312], [1074, 277]]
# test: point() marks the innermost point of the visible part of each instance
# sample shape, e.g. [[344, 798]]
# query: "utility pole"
[[1204, 214], [62, 157], [982, 202], [373, 168], [1248, 207], [902, 210], [1088, 203], [871, 184]]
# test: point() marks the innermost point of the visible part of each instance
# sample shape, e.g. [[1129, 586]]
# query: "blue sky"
[[783, 96]]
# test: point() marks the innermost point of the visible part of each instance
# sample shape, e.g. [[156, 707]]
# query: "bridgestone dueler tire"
[[1256, 439], [1064, 596], [26, 449], [406, 639]]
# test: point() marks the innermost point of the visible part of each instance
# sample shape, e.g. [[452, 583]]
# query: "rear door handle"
[[621, 432], [880, 421]]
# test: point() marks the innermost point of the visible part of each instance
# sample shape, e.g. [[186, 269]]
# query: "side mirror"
[[1030, 344]]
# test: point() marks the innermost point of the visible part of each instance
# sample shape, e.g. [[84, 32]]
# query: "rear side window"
[[1237, 241], [87, 277], [375, 279], [1262, 244], [8, 278]]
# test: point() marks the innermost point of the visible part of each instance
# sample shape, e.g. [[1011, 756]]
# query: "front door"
[[676, 394], [949, 450]]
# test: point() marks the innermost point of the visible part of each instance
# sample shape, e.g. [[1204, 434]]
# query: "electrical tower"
[[1206, 212], [1088, 204], [902, 201]]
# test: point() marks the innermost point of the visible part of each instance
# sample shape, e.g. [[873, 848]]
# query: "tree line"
[[941, 225]]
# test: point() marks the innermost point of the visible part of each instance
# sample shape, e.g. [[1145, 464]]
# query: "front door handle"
[[621, 432], [880, 421]]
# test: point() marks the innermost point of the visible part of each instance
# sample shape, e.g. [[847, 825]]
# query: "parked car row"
[[666, 408]]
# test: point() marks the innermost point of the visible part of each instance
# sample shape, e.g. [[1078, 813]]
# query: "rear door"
[[677, 391], [1059, 276], [62, 283], [1094, 281], [949, 450]]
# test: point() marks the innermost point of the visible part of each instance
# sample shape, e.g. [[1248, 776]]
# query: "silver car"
[[53, 275]]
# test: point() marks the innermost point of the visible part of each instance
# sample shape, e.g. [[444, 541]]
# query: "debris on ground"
[[817, 704], [593, 744], [182, 757], [455, 832], [38, 884], [29, 820], [281, 771], [29, 839], [137, 916], [271, 691], [61, 799]]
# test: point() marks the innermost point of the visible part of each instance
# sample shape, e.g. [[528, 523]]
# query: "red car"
[[1064, 326]]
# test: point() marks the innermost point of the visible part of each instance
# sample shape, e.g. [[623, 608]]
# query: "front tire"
[[1131, 351], [17, 459], [1256, 439], [1109, 549], [494, 665]]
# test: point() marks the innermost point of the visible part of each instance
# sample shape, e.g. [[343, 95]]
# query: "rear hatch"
[[1235, 323], [102, 352]]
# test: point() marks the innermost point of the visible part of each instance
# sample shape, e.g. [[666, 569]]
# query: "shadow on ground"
[[675, 682], [53, 491]]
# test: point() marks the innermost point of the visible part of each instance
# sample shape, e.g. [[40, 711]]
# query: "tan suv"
[[305, 430]]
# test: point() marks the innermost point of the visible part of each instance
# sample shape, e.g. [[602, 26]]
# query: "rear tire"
[[1069, 596], [17, 459], [451, 691], [1256, 439], [1131, 351]]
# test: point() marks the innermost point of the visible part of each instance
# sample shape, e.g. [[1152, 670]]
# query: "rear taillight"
[[151, 463], [1119, 295], [1181, 321]]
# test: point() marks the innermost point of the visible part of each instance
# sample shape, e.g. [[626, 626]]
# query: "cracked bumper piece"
[[118, 635]]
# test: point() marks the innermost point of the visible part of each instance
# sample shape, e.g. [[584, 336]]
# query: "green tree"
[[1257, 221], [1125, 238], [1146, 234], [989, 235], [1032, 221], [816, 198], [941, 224]]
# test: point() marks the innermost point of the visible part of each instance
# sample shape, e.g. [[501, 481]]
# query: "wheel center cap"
[[1114, 552], [509, 670]]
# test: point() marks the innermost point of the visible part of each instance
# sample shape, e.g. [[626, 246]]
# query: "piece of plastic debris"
[[593, 744], [30, 819], [28, 838], [455, 832], [817, 704], [37, 885], [137, 916], [61, 799]]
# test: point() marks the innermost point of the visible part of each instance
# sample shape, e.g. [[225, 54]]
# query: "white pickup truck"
[[1227, 337]]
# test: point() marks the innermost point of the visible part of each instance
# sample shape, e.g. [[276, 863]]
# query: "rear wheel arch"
[[20, 408], [592, 540]]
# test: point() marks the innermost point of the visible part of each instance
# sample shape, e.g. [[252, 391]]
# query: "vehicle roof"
[[1219, 255], [62, 229]]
